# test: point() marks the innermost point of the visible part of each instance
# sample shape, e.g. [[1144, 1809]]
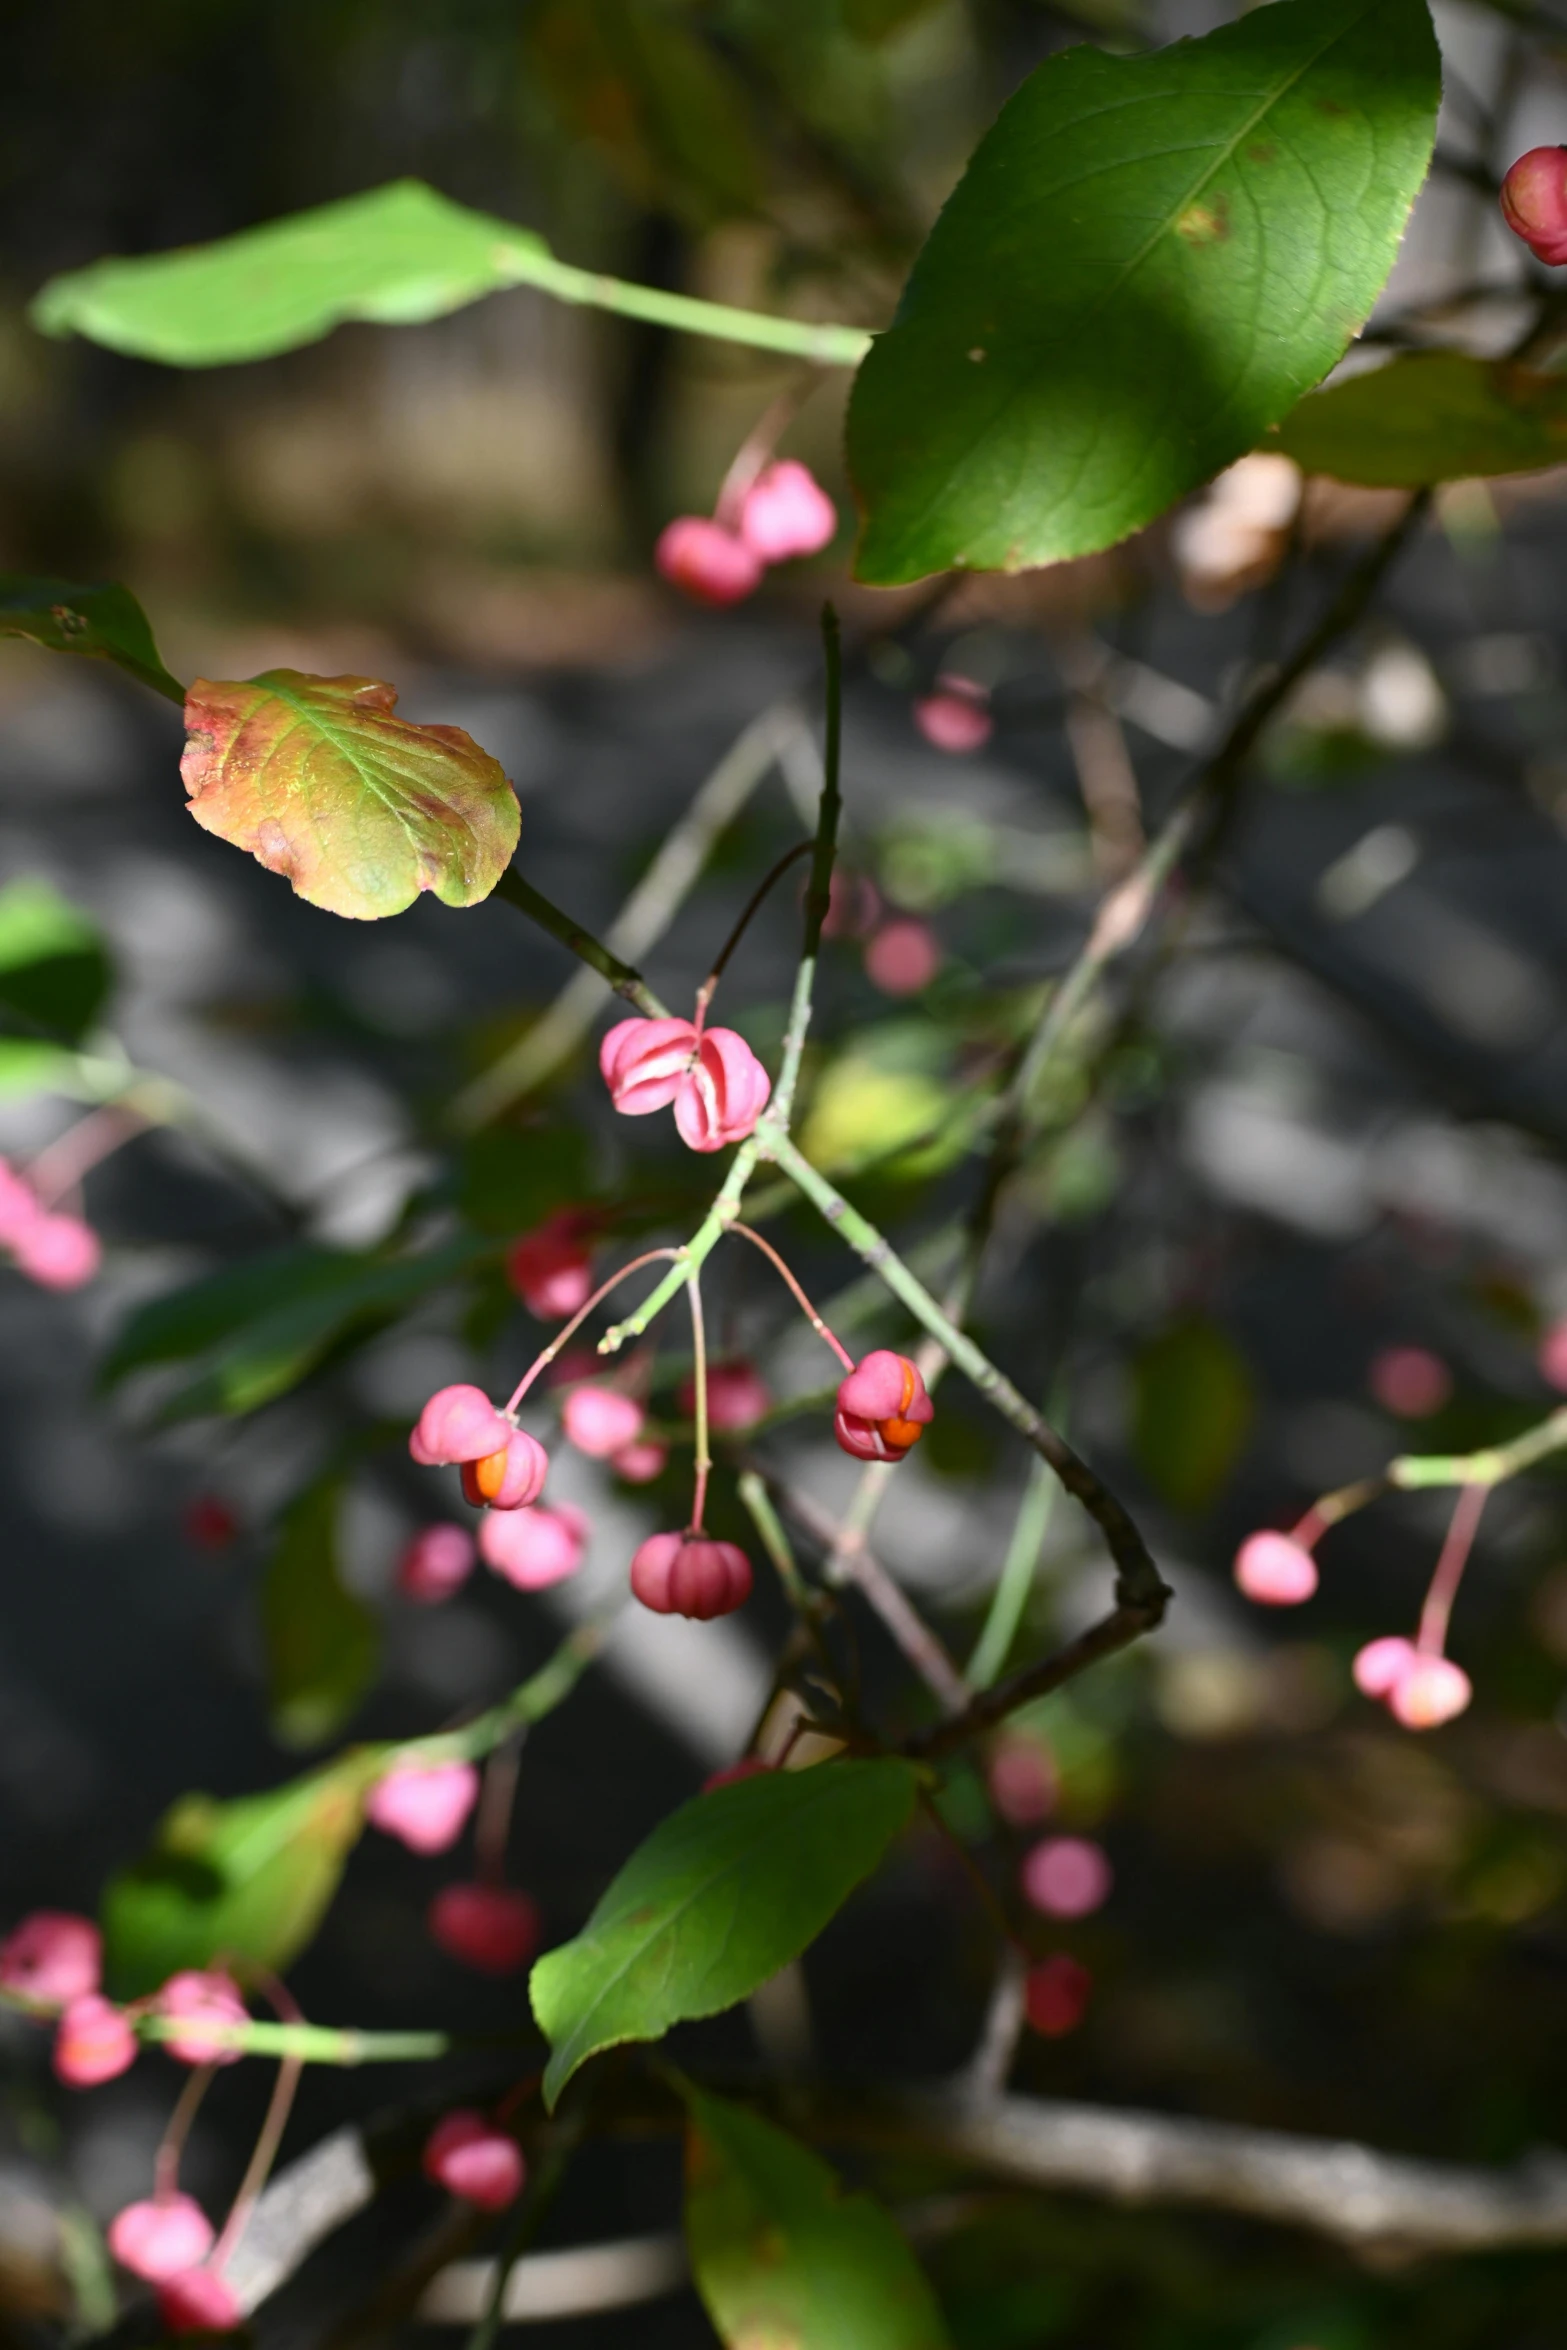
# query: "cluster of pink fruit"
[[57, 1251], [719, 559], [1063, 1877], [1420, 1686]]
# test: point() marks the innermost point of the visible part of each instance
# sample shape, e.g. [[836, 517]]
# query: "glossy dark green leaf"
[[782, 2255], [1148, 261], [105, 622], [254, 1331], [1193, 1406], [722, 1894], [250, 1879], [1430, 416], [322, 1642], [54, 967]]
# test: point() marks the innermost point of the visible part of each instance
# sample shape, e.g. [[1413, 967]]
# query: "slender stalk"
[[580, 942], [543, 2188], [166, 2162], [259, 2168], [704, 1458], [752, 1489], [705, 993], [1115, 1631], [492, 1828], [1010, 1596], [529, 1703], [851, 1560], [693, 1253], [310, 2043], [1431, 1638], [60, 1167], [804, 1303], [818, 896], [652, 1256], [531, 264]]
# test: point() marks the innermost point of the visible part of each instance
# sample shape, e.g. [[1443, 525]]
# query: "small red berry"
[[493, 1928], [1056, 1994], [209, 1523], [903, 957], [1382, 1664], [1067, 1877], [706, 560], [1274, 1571], [1534, 202], [1552, 1357], [1430, 1690], [883, 1409], [53, 1956], [199, 2301], [470, 2158], [690, 1575], [1023, 1783], [437, 1562], [1410, 1381], [737, 1396], [600, 1420], [424, 1804], [93, 2043], [550, 1268], [956, 717], [641, 1462], [160, 2238], [536, 1547], [786, 513]]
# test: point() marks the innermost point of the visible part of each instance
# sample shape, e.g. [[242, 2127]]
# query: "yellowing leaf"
[[361, 810]]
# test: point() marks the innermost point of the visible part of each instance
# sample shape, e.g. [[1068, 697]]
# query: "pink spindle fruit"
[[645, 1062], [1274, 1571], [510, 1478], [437, 1562], [1023, 1783], [424, 1804], [1410, 1381], [1552, 1357], [883, 1409], [903, 957], [786, 513], [716, 1083], [641, 1462], [470, 2158], [493, 1928], [93, 2043], [199, 2301], [202, 1995], [458, 1424], [58, 1252], [1067, 1877], [158, 2239], [1056, 1994], [1430, 1690], [956, 717], [690, 1575], [53, 1956], [737, 1395], [1382, 1664], [535, 1548], [1534, 202], [599, 1420], [707, 561], [550, 1268]]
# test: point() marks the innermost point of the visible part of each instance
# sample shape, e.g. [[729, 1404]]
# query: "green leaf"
[[249, 1879], [105, 622], [782, 2256], [54, 967], [723, 1893], [1430, 416], [255, 1330], [1192, 1411], [29, 1066], [396, 255], [322, 1643], [1147, 262], [361, 810]]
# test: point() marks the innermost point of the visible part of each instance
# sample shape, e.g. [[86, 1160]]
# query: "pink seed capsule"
[[58, 1252], [708, 562], [645, 1062], [93, 2043], [1382, 1664], [1431, 1690], [737, 1396], [472, 2159], [690, 1575], [202, 1995], [1553, 1355], [1274, 1571], [510, 1478], [161, 2238], [1410, 1381], [199, 2301], [1534, 202], [437, 1562], [903, 957], [883, 1409], [534, 1548], [1067, 1877], [492, 1928], [1023, 1783], [1056, 1994], [956, 717], [458, 1424], [53, 1957], [550, 1268], [600, 1420], [641, 1462], [786, 513], [723, 1093], [424, 1805]]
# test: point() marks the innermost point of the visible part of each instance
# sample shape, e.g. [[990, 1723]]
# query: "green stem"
[[305, 2043], [1492, 1466], [753, 1492], [818, 896], [535, 1698], [826, 346], [580, 942], [693, 1254], [542, 2191], [1010, 1596]]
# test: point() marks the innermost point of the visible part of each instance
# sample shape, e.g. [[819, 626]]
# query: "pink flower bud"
[[645, 1062], [750, 1766], [20, 1206], [641, 1462], [436, 1563], [1534, 202], [199, 2301], [1429, 1691], [737, 1395], [535, 1548], [492, 1928], [93, 2043], [1410, 1381], [786, 512], [1274, 1571], [1056, 1994], [706, 560], [599, 1420], [723, 1094], [883, 1409], [1382, 1664], [469, 2157], [53, 1956], [1553, 1356], [202, 1995], [903, 957], [1023, 1783], [508, 1479], [956, 717], [458, 1424], [425, 1804], [209, 1522], [159, 2239], [58, 1252], [550, 1268], [690, 1575], [1067, 1877]]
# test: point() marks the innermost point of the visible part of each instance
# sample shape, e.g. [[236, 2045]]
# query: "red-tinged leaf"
[[359, 809]]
